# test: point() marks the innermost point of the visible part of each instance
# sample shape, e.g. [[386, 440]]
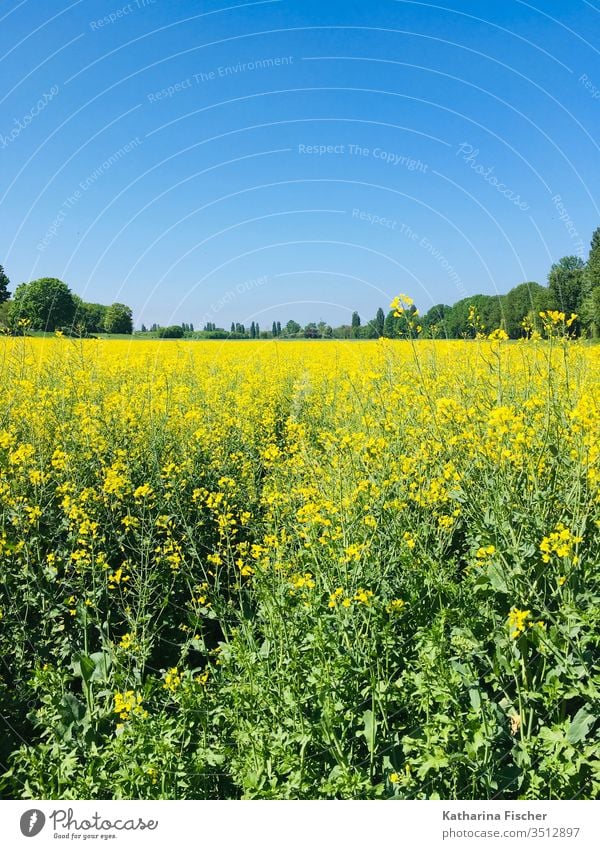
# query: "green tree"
[[88, 317], [118, 319], [522, 302], [566, 284], [590, 312], [292, 328], [433, 320], [379, 322], [4, 284], [174, 331], [592, 269], [355, 324], [389, 326], [46, 303]]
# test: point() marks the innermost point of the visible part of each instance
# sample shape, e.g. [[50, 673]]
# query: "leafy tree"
[[4, 311], [279, 328], [118, 319], [274, 329], [590, 312], [311, 331], [433, 321], [46, 303], [592, 269], [355, 324], [174, 331], [292, 328], [253, 331], [389, 326], [566, 284], [379, 322], [144, 328], [4, 284], [88, 317], [523, 302]]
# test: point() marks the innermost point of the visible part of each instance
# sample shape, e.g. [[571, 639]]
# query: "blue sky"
[[224, 161]]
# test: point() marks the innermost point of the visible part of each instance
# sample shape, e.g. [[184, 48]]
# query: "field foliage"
[[299, 570]]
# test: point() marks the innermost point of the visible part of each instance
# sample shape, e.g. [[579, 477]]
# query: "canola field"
[[299, 569]]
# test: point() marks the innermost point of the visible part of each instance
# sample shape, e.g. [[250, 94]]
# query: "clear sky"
[[220, 161]]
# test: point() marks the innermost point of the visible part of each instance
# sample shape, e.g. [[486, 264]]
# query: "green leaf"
[[102, 662], [370, 729], [580, 725], [83, 666], [474, 698]]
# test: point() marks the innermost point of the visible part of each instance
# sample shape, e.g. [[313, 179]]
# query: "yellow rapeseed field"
[[300, 569]]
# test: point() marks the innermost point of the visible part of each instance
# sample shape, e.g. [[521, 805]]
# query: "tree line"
[[48, 304], [573, 288]]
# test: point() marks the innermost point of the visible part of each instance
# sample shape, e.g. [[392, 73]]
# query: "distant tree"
[[566, 284], [174, 331], [257, 330], [389, 326], [355, 323], [144, 328], [88, 318], [590, 312], [274, 329], [4, 284], [292, 328], [192, 327], [369, 330], [592, 268], [311, 331], [379, 322], [344, 331], [433, 322], [118, 319], [522, 302], [233, 327], [46, 303], [589, 307], [253, 331], [279, 328]]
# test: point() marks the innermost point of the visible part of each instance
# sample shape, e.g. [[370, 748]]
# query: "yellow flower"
[[172, 679], [517, 620]]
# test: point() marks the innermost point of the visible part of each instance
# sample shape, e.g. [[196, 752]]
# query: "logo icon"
[[32, 822]]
